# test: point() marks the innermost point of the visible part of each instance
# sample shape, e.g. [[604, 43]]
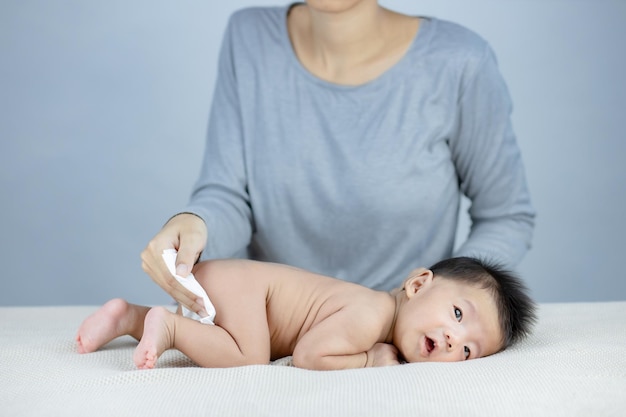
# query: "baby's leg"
[[206, 345], [115, 318]]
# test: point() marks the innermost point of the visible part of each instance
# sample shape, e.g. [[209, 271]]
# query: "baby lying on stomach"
[[459, 309]]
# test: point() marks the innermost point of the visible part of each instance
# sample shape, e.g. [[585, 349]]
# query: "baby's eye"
[[467, 352], [458, 314]]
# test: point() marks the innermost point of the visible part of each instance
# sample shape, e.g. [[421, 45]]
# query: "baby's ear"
[[418, 278]]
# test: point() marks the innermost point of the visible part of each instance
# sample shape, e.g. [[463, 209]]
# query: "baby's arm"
[[343, 340], [383, 354]]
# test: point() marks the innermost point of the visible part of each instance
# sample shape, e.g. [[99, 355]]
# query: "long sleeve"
[[220, 195], [490, 167]]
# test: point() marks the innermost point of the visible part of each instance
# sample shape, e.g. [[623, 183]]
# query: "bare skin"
[[114, 319], [268, 311], [350, 43], [157, 338]]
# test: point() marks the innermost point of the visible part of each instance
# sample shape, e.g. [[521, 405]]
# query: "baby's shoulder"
[[368, 305]]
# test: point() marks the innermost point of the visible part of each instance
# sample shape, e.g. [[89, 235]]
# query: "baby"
[[460, 308]]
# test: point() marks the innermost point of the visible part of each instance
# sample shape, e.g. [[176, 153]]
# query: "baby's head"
[[516, 310], [461, 308]]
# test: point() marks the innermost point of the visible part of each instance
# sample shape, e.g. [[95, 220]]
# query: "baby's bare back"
[[260, 302]]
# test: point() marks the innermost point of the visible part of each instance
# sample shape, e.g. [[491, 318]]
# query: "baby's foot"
[[103, 326], [157, 337]]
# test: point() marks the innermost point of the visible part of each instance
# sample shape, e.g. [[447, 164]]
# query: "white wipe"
[[169, 256]]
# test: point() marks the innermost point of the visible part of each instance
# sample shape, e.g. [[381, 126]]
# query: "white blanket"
[[574, 364]]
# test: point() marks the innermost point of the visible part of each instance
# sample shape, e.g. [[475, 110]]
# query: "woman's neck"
[[346, 37], [348, 46]]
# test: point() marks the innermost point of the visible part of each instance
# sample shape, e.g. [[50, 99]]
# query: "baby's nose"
[[452, 340]]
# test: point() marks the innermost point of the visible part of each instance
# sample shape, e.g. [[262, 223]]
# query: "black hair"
[[517, 311]]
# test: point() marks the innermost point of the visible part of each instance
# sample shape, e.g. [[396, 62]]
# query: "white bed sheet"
[[574, 364]]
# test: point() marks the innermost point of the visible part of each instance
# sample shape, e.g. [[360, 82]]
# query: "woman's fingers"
[[187, 234]]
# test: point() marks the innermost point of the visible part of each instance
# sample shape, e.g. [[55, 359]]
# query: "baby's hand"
[[382, 354]]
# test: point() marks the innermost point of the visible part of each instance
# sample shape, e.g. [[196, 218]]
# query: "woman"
[[341, 138]]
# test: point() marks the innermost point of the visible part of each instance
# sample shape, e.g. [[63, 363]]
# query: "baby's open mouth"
[[430, 344]]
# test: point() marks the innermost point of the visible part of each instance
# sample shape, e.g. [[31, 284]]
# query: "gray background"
[[103, 110]]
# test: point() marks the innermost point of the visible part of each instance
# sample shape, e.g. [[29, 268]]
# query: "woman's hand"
[[382, 354], [186, 233]]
